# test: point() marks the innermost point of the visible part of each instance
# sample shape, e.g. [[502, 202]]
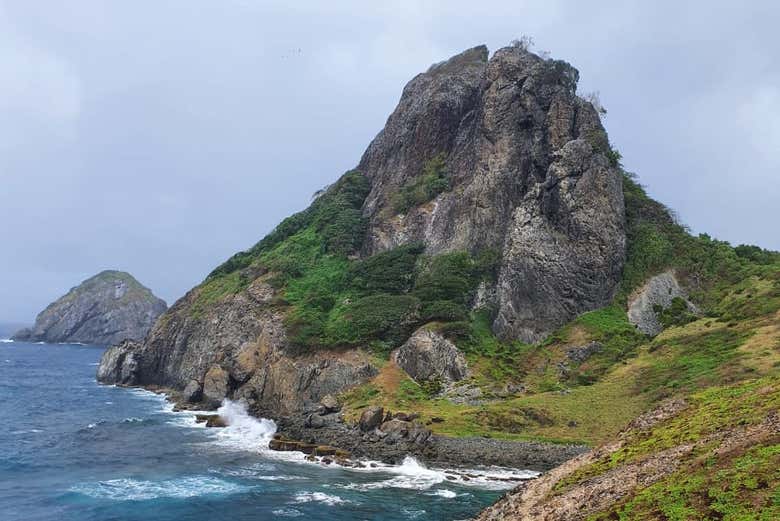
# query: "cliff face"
[[528, 178], [110, 307], [481, 156]]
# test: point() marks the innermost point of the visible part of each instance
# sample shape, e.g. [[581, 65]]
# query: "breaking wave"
[[243, 432], [319, 497]]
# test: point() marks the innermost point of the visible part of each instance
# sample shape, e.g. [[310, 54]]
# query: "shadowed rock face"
[[110, 307], [528, 178]]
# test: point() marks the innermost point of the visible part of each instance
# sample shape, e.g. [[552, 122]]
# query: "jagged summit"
[[528, 173]]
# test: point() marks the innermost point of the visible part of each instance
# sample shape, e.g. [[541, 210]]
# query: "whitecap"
[[5, 341], [132, 420], [29, 431], [127, 489], [287, 512], [319, 497], [410, 513], [95, 363], [409, 475], [443, 492]]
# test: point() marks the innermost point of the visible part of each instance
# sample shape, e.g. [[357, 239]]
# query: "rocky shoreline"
[[390, 437], [396, 439]]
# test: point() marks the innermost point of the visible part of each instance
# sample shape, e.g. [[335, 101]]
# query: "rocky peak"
[[527, 174]]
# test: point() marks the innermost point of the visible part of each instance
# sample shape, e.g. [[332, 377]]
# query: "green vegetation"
[[335, 217], [677, 314], [333, 300], [656, 242], [423, 188], [740, 483]]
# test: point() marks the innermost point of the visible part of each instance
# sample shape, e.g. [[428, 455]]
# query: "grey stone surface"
[[193, 392], [371, 418], [428, 355], [215, 385], [659, 290], [529, 177], [119, 364], [103, 310]]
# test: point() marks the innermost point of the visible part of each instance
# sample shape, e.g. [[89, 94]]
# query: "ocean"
[[71, 449]]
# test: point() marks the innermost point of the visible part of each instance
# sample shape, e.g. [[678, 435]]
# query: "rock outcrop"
[[429, 356], [658, 292], [528, 177], [238, 349], [106, 309]]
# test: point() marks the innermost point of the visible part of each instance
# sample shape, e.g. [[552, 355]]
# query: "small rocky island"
[[105, 309]]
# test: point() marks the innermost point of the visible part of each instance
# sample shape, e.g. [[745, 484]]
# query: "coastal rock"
[[241, 343], [119, 364], [103, 310], [659, 290], [371, 418], [215, 385], [579, 354], [193, 392], [211, 420], [428, 355], [330, 404]]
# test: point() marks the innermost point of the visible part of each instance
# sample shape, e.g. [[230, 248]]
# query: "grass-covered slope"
[[333, 299], [540, 392]]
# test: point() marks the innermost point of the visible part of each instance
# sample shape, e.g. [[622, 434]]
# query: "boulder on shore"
[[371, 418], [428, 355]]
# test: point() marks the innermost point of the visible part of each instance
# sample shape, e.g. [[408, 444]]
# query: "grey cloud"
[[160, 137]]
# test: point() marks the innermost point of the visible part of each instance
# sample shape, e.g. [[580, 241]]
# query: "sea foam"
[[126, 489]]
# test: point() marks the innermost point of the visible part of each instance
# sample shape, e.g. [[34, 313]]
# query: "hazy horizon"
[[159, 140]]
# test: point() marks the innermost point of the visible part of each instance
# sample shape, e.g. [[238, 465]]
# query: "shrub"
[[677, 314], [449, 276], [383, 316], [337, 214], [444, 310], [387, 272], [433, 181]]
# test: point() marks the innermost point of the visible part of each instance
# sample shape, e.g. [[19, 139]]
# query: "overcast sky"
[[160, 137]]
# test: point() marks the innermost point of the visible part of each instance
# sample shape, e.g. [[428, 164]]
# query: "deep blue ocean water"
[[71, 449]]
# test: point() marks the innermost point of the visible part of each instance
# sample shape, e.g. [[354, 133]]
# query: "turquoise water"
[[71, 449]]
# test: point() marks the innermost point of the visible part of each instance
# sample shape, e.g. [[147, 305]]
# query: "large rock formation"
[[105, 309], [527, 177]]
